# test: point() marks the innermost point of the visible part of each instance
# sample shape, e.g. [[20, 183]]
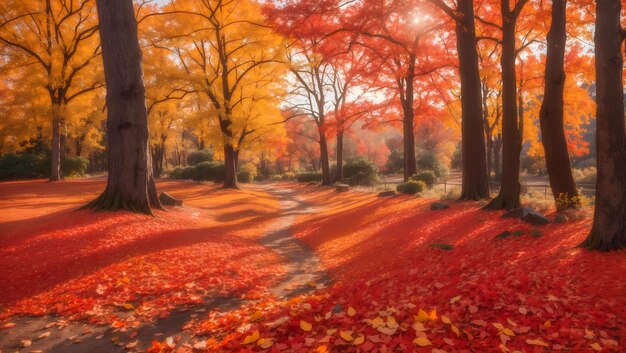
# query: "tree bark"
[[55, 166], [325, 164], [339, 174], [475, 177], [551, 114], [230, 167], [130, 184], [509, 196], [609, 223], [408, 121]]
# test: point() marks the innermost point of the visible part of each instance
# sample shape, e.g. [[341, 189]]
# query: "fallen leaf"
[[422, 342], [252, 338], [265, 343], [359, 340], [305, 326], [537, 342], [132, 344], [346, 335], [351, 311]]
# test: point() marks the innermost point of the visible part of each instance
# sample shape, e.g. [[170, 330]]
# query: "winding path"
[[304, 274]]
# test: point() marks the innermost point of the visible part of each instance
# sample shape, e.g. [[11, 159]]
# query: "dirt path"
[[304, 274]]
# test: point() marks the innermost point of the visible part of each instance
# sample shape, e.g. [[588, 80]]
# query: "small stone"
[[438, 206], [168, 200], [536, 218], [561, 218], [342, 187], [387, 193]]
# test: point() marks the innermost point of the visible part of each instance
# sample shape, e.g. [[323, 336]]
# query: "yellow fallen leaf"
[[433, 315], [305, 326], [359, 340], [44, 335], [377, 322], [508, 332], [251, 338], [391, 322], [26, 343], [547, 324], [351, 311], [435, 350], [322, 349], [422, 316], [455, 299], [422, 342], [265, 343], [346, 335], [523, 310], [498, 325], [445, 320], [589, 334], [537, 342], [596, 346], [128, 306], [387, 330], [455, 330], [256, 316]]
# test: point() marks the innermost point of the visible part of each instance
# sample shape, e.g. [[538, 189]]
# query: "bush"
[[188, 173], [197, 157], [309, 177], [246, 173], [74, 166], [24, 166], [411, 187], [288, 176], [209, 171], [395, 162], [430, 161], [586, 175], [427, 176], [360, 173], [177, 173]]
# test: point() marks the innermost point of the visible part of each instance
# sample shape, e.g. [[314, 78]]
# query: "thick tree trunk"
[[326, 177], [230, 167], [408, 121], [130, 184], [551, 114], [339, 174], [497, 147], [475, 177], [55, 166], [509, 196], [609, 223]]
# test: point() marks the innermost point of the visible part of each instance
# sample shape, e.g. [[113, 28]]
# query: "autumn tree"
[[59, 37], [130, 183], [609, 223], [229, 54]]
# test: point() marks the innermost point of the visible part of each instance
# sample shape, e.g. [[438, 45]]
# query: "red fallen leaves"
[[124, 269], [521, 294]]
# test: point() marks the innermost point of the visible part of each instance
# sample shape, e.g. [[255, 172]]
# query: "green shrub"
[[188, 173], [74, 166], [360, 172], [176, 173], [24, 166], [411, 187], [309, 177], [197, 157], [586, 175], [246, 173], [289, 176], [395, 162], [209, 171], [430, 161], [427, 176]]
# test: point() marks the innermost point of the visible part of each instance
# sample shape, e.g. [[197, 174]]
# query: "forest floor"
[[294, 268]]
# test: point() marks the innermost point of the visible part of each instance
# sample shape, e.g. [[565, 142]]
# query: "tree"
[[130, 183], [475, 184], [609, 223], [59, 38], [229, 54], [552, 111], [509, 196]]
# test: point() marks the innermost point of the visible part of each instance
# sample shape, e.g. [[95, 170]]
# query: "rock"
[[438, 206], [504, 235], [561, 218], [312, 183], [527, 215], [387, 193], [168, 200], [342, 187], [536, 218], [446, 247]]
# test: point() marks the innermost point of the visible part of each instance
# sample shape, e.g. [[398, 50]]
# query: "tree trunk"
[[410, 161], [339, 175], [497, 147], [551, 114], [475, 178], [130, 183], [55, 171], [609, 223], [326, 177], [509, 196], [230, 167]]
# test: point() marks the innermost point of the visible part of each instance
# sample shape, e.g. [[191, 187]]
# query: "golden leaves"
[[422, 342], [305, 326], [537, 342], [252, 338]]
